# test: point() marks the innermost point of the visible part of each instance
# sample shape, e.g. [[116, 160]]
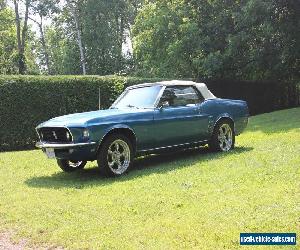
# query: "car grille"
[[55, 135]]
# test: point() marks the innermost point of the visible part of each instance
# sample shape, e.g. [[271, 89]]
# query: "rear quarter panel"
[[237, 110]]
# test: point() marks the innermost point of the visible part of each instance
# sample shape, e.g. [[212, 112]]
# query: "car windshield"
[[143, 97]]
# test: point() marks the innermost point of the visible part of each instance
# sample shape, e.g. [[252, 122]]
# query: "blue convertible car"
[[146, 118]]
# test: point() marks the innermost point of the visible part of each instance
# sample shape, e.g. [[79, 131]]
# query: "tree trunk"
[[79, 40], [46, 55], [21, 38], [121, 31], [18, 27], [43, 42]]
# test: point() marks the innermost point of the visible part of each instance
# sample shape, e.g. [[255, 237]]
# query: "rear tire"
[[70, 166], [223, 137], [115, 155]]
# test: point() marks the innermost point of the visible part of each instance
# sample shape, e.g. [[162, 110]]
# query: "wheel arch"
[[222, 118], [120, 129]]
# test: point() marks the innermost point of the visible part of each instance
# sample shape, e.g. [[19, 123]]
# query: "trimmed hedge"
[[261, 96], [27, 101]]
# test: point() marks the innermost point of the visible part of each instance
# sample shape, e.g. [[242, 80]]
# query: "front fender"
[[109, 129], [117, 126]]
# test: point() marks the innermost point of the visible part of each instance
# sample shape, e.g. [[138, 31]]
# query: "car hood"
[[81, 119]]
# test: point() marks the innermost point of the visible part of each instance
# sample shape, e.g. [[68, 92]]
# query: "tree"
[[165, 39], [103, 25], [98, 29], [73, 8], [43, 9], [66, 51], [63, 50], [8, 44], [21, 34], [253, 39]]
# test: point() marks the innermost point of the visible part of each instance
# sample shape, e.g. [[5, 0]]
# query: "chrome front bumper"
[[63, 145]]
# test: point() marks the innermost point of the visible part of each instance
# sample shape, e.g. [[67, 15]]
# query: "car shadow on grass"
[[142, 166]]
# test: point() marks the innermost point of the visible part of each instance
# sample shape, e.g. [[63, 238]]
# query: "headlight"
[[85, 133]]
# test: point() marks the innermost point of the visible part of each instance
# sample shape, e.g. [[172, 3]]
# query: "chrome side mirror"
[[164, 104]]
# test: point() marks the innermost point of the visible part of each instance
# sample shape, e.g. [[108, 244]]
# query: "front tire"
[[70, 166], [115, 155], [223, 138]]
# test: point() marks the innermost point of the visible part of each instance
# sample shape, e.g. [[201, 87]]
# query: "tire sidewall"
[[103, 151], [214, 143]]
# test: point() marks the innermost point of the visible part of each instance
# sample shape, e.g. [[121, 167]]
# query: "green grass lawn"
[[192, 199]]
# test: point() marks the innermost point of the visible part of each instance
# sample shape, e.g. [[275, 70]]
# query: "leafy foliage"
[[103, 26], [63, 51], [233, 39], [161, 44], [219, 39], [41, 10], [7, 42]]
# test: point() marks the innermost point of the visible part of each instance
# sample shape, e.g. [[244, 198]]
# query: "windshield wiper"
[[132, 106]]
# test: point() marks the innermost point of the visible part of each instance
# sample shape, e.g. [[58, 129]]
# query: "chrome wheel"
[[118, 156], [70, 166], [75, 164], [225, 137]]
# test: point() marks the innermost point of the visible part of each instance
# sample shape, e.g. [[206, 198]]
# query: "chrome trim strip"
[[159, 96], [36, 130], [172, 146], [62, 145], [118, 99], [72, 139]]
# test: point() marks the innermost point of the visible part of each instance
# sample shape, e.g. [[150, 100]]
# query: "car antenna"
[[99, 99]]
